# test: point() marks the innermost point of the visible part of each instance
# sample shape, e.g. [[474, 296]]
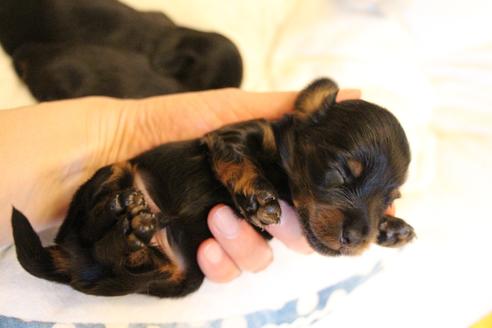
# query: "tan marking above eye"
[[355, 167]]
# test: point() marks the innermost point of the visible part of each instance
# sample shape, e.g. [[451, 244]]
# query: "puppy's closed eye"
[[326, 177], [334, 178]]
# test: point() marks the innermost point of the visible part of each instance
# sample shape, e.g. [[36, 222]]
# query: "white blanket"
[[430, 62]]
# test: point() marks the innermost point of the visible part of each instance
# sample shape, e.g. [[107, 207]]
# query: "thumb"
[[190, 115]]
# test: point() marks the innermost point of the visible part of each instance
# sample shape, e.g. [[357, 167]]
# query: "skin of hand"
[[50, 149]]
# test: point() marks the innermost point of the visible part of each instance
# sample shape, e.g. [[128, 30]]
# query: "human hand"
[[50, 149]]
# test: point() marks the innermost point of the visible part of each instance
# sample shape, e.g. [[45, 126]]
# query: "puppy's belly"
[[160, 238]]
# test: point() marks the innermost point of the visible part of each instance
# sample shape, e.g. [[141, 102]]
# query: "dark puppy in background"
[[109, 41], [135, 226], [57, 71]]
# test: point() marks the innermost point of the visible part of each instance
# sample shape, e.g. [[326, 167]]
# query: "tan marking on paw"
[[239, 177]]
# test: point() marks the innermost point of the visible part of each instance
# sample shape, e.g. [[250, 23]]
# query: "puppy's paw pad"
[[144, 225], [115, 205], [131, 201], [262, 208], [134, 201], [139, 222], [394, 232], [134, 243], [268, 212], [137, 260]]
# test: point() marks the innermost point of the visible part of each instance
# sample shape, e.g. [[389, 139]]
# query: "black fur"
[[72, 48], [340, 165]]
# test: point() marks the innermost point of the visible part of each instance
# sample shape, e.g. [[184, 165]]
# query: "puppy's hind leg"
[[126, 261], [119, 221], [126, 244]]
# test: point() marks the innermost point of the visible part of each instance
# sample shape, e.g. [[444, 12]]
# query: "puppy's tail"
[[49, 263]]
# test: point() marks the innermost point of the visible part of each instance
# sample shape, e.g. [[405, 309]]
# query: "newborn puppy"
[[101, 22], [195, 60], [198, 60], [59, 71], [135, 226]]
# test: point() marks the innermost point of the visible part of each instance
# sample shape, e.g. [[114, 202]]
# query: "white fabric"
[[430, 62]]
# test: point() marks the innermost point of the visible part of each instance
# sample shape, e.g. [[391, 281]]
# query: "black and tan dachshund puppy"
[[72, 48], [135, 226]]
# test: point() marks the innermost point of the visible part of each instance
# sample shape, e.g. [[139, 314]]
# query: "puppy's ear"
[[319, 95]]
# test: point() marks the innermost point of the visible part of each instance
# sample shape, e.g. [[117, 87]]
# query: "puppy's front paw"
[[394, 232], [261, 206]]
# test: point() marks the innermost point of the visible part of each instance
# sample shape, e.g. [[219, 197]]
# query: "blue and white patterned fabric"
[[294, 289], [299, 312]]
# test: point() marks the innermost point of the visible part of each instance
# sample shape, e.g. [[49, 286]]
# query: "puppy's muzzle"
[[355, 229]]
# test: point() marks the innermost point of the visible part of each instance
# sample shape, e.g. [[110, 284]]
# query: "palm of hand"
[[59, 145]]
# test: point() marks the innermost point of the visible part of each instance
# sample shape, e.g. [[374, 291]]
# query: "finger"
[[166, 118], [273, 105], [215, 264], [391, 210], [289, 230], [190, 115], [247, 249], [347, 94]]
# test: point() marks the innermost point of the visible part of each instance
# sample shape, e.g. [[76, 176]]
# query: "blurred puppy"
[[58, 71], [107, 41], [135, 226]]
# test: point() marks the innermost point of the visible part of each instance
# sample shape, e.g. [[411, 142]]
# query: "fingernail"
[[226, 222], [213, 253], [391, 210]]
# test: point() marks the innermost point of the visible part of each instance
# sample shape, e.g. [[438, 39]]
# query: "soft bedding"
[[430, 62]]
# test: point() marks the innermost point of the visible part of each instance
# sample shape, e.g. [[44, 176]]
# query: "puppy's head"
[[345, 162], [199, 60]]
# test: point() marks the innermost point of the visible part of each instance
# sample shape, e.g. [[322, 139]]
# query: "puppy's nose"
[[351, 237], [353, 234]]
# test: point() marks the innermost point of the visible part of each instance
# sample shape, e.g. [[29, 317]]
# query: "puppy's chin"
[[322, 248], [318, 245]]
